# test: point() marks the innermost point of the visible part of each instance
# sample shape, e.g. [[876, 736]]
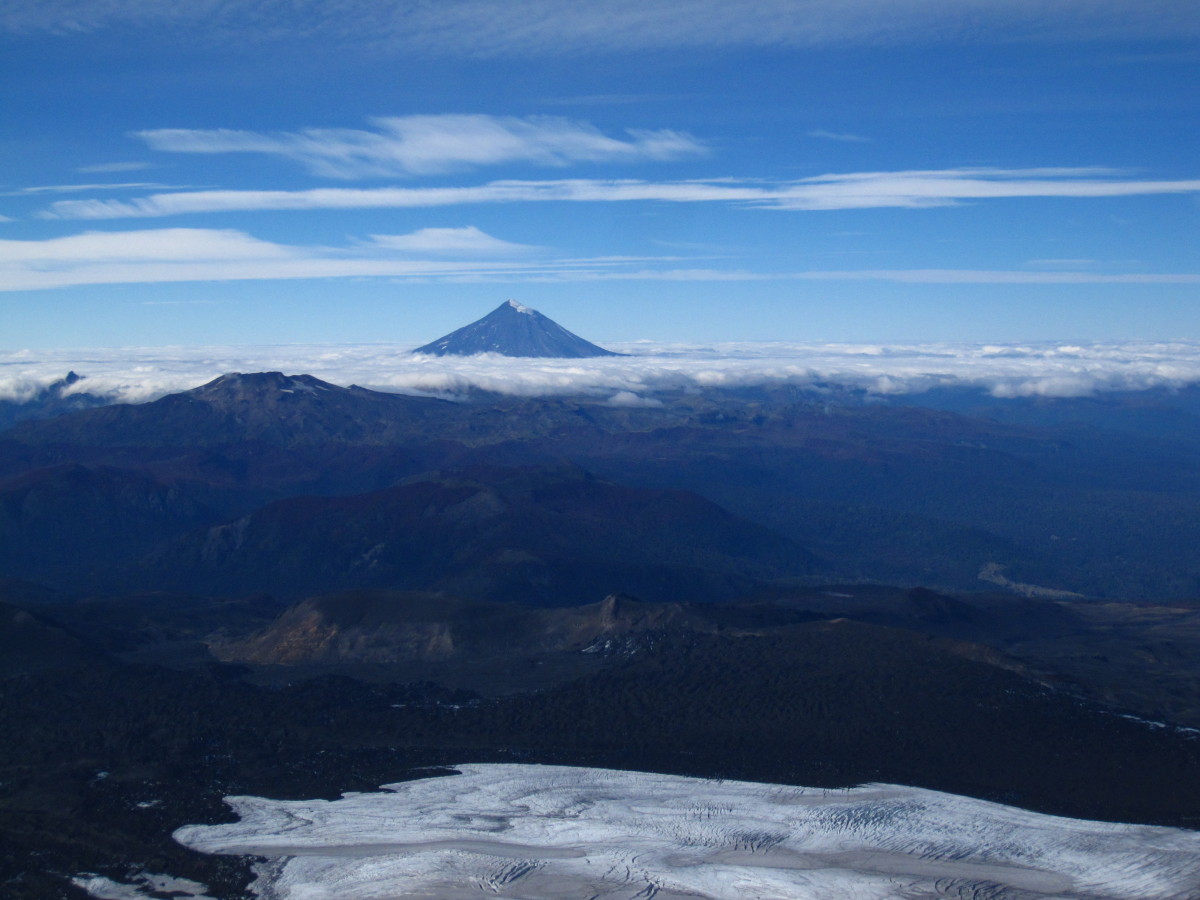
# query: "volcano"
[[514, 330]]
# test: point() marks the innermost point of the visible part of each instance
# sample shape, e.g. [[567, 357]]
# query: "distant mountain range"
[[274, 585], [858, 492], [514, 330]]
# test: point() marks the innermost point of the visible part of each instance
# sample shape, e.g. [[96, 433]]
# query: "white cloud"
[[992, 276], [576, 190], [99, 257], [1005, 370], [277, 269], [450, 241], [99, 168], [948, 187], [581, 272], [82, 188], [491, 28], [423, 145], [837, 136], [1061, 263], [856, 190], [630, 400], [155, 245], [197, 254]]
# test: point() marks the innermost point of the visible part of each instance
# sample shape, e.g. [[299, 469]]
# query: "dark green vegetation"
[[274, 585]]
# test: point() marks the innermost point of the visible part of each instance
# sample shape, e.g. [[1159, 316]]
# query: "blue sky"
[[356, 170]]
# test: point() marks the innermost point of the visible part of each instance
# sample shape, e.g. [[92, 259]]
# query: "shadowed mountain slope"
[[898, 495], [29, 642], [60, 523], [540, 536]]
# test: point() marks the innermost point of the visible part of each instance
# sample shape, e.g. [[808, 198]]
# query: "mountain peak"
[[512, 329], [259, 383]]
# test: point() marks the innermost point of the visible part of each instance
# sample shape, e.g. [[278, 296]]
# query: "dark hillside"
[[100, 760], [541, 536], [59, 524], [880, 493]]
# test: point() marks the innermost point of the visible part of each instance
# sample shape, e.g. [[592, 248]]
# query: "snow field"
[[551, 832]]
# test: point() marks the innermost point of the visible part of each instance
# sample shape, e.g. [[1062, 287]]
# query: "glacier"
[[539, 832]]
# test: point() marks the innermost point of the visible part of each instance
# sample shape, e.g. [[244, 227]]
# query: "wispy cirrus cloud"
[[573, 190], [897, 276], [948, 187], [431, 144], [102, 168], [859, 190], [837, 136], [95, 187], [162, 244], [450, 242], [158, 256], [495, 28], [1061, 263]]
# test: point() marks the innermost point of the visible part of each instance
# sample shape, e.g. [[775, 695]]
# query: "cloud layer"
[[171, 255], [155, 256], [491, 28], [1005, 370], [432, 144], [450, 242], [912, 189]]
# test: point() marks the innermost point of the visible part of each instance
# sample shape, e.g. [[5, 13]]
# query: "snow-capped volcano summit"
[[514, 330]]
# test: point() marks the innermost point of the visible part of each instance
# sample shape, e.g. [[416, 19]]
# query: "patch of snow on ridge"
[[556, 832]]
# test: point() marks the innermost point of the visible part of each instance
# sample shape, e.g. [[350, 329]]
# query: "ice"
[[550, 832], [147, 885]]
